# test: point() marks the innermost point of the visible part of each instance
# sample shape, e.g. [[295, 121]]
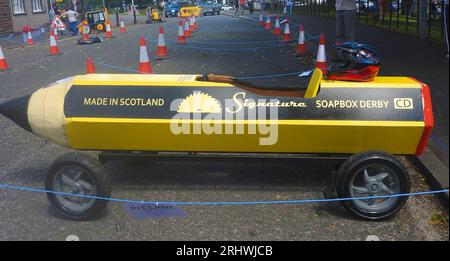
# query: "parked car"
[[365, 6], [172, 10], [209, 8], [227, 8]]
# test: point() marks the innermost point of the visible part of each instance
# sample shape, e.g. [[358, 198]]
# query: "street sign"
[[58, 23]]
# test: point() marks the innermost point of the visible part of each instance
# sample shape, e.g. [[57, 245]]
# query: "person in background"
[[52, 14], [241, 6], [236, 7], [250, 6], [163, 6], [289, 4], [345, 21], [72, 18]]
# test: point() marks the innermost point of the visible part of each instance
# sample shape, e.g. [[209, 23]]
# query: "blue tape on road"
[[299, 201], [236, 43], [13, 41], [222, 49], [21, 42], [238, 78]]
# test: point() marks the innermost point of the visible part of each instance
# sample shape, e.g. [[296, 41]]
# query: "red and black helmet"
[[361, 63]]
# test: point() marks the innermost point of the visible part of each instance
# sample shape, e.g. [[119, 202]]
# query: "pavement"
[[25, 157]]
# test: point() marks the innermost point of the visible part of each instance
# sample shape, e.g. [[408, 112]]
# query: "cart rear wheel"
[[79, 174], [373, 173]]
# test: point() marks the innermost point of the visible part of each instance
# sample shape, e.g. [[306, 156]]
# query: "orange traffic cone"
[[29, 37], [321, 61], [3, 63], [194, 22], [301, 45], [287, 33], [268, 25], [122, 27], [161, 50], [90, 68], [277, 29], [261, 22], [181, 38], [108, 31], [53, 46], [144, 61], [191, 24], [187, 32]]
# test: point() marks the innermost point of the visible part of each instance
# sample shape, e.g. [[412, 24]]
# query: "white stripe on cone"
[[321, 55], [52, 41], [180, 30], [286, 28], [2, 56], [143, 55], [3, 63], [29, 37], [301, 37], [277, 23], [161, 41]]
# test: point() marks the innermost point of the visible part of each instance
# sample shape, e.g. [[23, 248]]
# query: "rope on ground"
[[299, 74], [294, 201], [222, 49]]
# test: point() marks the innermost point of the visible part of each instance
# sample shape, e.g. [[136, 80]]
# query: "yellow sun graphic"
[[199, 102]]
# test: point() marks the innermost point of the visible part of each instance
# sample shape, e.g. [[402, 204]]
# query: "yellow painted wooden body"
[[294, 136]]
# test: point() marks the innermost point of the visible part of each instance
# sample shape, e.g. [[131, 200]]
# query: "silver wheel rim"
[[74, 180], [375, 180]]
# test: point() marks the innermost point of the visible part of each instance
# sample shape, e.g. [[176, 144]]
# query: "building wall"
[[35, 20], [6, 25]]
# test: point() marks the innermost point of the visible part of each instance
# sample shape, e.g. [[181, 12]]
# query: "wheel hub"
[[374, 187]]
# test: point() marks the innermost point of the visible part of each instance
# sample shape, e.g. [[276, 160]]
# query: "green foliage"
[[439, 218]]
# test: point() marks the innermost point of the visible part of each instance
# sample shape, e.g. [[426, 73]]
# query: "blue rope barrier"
[[222, 49], [30, 189], [238, 78], [236, 43]]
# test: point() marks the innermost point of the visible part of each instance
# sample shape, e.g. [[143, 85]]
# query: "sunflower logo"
[[199, 102]]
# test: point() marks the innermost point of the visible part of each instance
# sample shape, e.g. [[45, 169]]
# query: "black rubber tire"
[[98, 174], [356, 162]]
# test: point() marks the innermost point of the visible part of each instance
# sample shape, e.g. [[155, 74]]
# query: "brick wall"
[[6, 25]]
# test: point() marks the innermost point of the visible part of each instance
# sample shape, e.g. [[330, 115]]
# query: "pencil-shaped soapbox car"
[[364, 123]]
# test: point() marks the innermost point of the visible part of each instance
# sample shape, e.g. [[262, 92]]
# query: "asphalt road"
[[25, 158]]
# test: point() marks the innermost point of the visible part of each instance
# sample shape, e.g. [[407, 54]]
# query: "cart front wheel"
[[78, 174], [369, 175]]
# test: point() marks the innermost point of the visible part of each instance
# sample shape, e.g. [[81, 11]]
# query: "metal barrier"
[[399, 15]]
